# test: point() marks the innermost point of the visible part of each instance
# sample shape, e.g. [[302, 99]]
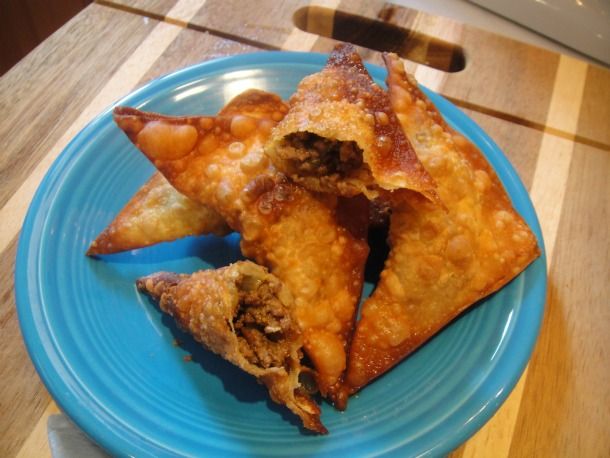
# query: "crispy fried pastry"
[[342, 136], [305, 239], [244, 314], [441, 261], [157, 213]]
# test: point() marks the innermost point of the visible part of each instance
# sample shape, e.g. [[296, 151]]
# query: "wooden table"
[[549, 113]]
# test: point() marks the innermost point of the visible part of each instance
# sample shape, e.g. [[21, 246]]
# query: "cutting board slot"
[[381, 36]]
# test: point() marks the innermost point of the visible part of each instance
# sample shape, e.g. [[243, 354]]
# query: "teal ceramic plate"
[[107, 356]]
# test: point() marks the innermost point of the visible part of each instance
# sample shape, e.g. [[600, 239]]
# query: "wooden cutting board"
[[548, 112]]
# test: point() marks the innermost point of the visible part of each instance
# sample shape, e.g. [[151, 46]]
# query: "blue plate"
[[108, 356]]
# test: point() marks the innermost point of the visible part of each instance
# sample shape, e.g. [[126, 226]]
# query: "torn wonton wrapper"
[[244, 314], [441, 260], [307, 240], [342, 136], [157, 213]]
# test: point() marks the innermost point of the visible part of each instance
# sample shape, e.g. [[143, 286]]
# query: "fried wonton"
[[244, 314], [342, 136], [157, 213], [305, 239], [441, 260]]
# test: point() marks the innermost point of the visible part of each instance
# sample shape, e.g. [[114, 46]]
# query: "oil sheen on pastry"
[[442, 260], [341, 135], [244, 314], [157, 213], [307, 240]]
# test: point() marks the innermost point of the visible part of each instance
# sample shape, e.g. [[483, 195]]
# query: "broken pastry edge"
[[390, 164], [345, 182], [319, 205], [282, 381]]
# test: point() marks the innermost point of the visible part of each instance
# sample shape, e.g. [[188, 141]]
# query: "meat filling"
[[263, 324], [312, 155]]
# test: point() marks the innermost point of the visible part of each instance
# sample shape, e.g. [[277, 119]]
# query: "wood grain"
[[519, 69], [565, 407], [23, 403], [26, 23], [189, 48], [23, 397], [37, 443], [548, 113], [122, 81], [161, 7], [547, 193], [26, 134], [594, 120]]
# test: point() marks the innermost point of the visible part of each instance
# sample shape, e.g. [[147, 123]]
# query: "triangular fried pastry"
[[341, 135], [441, 260], [157, 213], [244, 314], [305, 239]]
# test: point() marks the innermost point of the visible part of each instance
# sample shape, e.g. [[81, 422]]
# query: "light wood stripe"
[[299, 40], [185, 23], [548, 194], [37, 444], [121, 83], [430, 77], [529, 124], [547, 191], [549, 186]]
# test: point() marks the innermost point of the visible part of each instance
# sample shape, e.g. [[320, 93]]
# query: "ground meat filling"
[[313, 155], [263, 325]]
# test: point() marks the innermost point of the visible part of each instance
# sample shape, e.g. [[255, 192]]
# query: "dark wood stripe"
[[29, 130], [528, 123], [187, 25], [461, 103]]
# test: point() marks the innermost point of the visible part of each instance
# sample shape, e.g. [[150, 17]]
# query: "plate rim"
[[30, 323]]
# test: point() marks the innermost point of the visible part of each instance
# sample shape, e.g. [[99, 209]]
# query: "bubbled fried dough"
[[157, 213], [441, 260], [341, 135], [244, 314], [303, 238]]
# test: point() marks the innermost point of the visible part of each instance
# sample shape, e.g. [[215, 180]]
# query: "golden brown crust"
[[156, 213], [343, 104], [441, 262], [219, 162], [211, 304]]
